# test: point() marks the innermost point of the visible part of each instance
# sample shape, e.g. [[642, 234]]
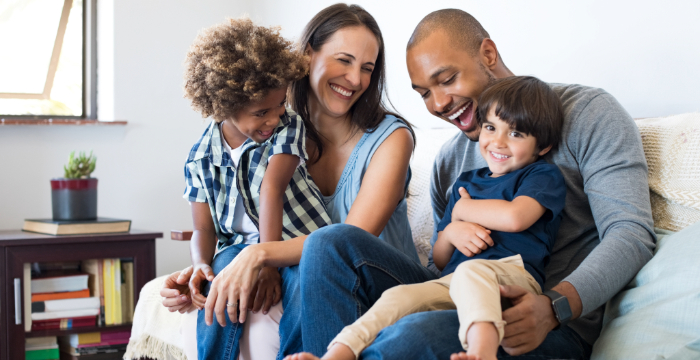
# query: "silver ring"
[[227, 304]]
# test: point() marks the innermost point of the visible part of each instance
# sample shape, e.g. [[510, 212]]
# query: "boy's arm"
[[277, 176], [468, 238], [502, 215], [202, 248], [442, 251]]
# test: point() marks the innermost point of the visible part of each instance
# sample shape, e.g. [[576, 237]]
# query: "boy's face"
[[259, 120], [504, 148]]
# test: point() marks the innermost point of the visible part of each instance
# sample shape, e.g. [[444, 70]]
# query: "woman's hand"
[[175, 291], [267, 291], [231, 288], [200, 273]]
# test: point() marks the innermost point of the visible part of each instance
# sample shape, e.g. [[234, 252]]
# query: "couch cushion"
[[657, 316], [420, 211], [672, 150]]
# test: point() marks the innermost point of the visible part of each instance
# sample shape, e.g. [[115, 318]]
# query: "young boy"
[[249, 164], [498, 228]]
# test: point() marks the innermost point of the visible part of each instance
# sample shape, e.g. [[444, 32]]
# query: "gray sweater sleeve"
[[607, 146]]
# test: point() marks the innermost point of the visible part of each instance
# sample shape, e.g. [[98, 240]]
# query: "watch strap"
[[560, 305]]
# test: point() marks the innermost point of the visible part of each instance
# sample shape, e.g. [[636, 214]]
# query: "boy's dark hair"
[[235, 64], [528, 105]]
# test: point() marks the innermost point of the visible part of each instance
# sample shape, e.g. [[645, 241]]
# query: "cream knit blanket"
[[155, 332], [672, 150]]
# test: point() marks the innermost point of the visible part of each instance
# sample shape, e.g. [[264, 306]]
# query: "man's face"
[[449, 80]]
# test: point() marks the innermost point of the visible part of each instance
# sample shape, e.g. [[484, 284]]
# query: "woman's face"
[[341, 69]]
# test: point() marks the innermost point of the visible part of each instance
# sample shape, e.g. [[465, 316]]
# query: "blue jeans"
[[344, 270], [216, 342], [433, 335]]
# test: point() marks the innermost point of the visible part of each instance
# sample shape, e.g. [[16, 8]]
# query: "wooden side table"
[[18, 247]]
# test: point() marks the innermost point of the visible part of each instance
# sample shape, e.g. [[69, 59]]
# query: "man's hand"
[[267, 291], [468, 238], [528, 322]]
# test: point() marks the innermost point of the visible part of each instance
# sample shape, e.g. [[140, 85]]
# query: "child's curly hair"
[[236, 63]]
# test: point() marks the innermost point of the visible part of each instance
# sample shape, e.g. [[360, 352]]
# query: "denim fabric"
[[433, 335], [344, 270], [290, 323], [216, 342]]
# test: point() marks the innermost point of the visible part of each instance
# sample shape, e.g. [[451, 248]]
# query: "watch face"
[[562, 309]]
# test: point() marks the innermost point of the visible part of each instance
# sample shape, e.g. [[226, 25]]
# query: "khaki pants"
[[472, 289]]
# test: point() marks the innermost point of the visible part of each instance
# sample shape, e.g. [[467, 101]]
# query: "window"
[[47, 58]]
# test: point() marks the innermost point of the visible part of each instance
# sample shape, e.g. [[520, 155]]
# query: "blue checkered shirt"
[[212, 178]]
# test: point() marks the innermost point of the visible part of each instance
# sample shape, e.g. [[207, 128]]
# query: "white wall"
[[645, 54]]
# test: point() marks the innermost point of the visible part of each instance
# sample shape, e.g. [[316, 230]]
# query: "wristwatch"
[[560, 305]]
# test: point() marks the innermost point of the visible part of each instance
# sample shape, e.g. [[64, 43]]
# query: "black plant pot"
[[74, 199]]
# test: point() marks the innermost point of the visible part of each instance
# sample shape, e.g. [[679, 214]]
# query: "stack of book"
[[62, 301], [112, 281], [94, 346], [41, 348], [81, 294]]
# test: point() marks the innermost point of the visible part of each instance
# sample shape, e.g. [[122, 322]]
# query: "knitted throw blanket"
[[672, 150]]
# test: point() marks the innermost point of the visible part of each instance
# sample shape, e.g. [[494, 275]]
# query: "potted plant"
[[74, 197]]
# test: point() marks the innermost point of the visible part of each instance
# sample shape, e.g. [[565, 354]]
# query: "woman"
[[359, 160]]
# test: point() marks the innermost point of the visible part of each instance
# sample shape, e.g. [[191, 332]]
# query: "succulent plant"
[[79, 167]]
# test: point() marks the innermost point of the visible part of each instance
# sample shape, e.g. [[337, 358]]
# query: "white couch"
[[635, 326]]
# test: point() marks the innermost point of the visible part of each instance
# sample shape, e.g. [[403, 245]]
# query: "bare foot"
[[301, 356]]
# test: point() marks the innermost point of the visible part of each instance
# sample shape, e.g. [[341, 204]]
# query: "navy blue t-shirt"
[[541, 181]]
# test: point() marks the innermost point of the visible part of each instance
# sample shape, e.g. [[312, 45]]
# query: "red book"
[[61, 295], [115, 335], [62, 324]]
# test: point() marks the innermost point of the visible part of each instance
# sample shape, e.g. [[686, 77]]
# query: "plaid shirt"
[[210, 176]]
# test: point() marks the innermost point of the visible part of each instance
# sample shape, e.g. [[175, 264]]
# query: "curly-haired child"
[[246, 176]]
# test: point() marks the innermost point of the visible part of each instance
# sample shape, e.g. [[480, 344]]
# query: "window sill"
[[51, 122]]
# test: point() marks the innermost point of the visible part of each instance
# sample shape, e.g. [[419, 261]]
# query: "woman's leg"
[[214, 341], [344, 271]]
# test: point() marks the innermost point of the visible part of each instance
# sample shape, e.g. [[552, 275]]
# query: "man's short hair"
[[528, 105], [458, 24]]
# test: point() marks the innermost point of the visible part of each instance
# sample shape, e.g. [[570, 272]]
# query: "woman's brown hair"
[[369, 110]]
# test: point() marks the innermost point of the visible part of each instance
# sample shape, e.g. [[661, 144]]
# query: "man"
[[606, 233]]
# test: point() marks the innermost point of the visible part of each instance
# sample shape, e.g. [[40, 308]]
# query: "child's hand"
[[461, 204], [175, 291], [469, 238], [201, 272], [267, 291]]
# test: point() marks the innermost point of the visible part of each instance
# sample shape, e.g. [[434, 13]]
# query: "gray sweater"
[[606, 233]]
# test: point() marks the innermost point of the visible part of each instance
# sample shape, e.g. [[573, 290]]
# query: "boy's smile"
[[506, 149], [257, 121]]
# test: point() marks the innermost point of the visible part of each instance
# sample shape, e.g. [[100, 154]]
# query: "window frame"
[[89, 72]]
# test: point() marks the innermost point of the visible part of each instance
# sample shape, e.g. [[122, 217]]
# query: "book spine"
[[101, 289], [117, 292], [109, 319]]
